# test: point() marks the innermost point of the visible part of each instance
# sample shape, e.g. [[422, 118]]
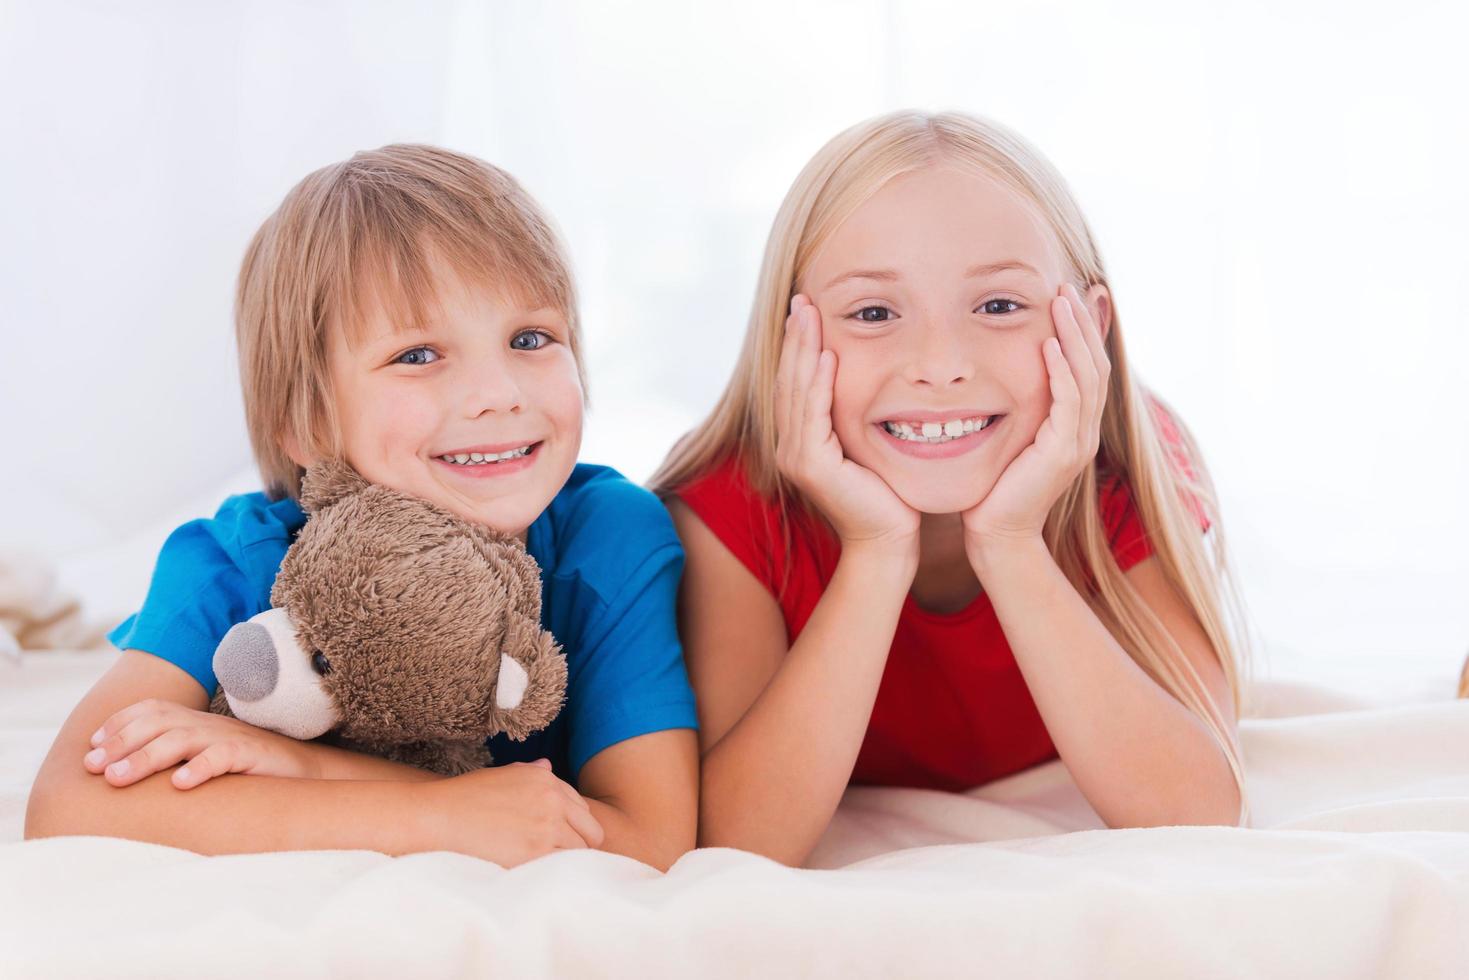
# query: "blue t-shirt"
[[610, 567]]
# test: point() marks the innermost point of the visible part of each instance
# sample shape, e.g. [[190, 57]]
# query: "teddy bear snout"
[[245, 662]]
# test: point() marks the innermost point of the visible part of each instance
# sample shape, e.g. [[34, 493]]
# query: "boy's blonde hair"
[[844, 174], [365, 236]]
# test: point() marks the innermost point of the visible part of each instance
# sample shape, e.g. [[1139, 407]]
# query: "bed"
[[1358, 865]]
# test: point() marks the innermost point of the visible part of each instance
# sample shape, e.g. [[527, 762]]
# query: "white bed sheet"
[[1359, 866]]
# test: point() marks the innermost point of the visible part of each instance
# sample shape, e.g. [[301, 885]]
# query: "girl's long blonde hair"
[[1162, 480]]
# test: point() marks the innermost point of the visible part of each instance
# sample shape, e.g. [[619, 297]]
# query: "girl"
[[411, 311], [936, 531]]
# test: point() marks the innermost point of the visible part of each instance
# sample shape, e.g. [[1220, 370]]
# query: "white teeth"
[[484, 459], [937, 431]]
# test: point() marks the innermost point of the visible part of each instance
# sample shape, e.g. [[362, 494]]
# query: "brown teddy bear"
[[398, 629]]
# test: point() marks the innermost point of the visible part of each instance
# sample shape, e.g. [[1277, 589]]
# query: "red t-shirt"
[[953, 710]]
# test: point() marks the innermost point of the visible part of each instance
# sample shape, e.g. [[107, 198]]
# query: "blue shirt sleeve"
[[210, 575], [631, 678]]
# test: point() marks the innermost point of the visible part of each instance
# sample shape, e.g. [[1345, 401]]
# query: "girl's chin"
[[931, 498]]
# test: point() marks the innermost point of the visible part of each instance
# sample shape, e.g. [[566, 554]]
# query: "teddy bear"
[[397, 629]]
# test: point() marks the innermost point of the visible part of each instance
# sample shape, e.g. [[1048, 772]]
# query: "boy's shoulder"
[[247, 530], [603, 524]]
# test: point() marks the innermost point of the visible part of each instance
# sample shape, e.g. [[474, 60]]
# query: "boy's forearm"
[[644, 840], [238, 814], [331, 762]]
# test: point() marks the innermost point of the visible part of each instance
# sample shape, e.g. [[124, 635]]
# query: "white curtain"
[[1278, 190]]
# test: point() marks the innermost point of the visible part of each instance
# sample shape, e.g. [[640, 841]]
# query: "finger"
[[819, 400], [216, 760], [808, 352], [1065, 397], [120, 719], [573, 796], [142, 723], [168, 749], [1091, 331], [785, 370], [587, 827], [1080, 366]]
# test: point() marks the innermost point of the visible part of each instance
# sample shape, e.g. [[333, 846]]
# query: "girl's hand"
[[1078, 369], [153, 735], [859, 505], [509, 814]]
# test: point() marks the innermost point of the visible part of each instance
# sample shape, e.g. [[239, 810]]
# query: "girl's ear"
[[1099, 303]]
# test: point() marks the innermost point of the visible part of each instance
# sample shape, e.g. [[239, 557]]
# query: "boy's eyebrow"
[[974, 272]]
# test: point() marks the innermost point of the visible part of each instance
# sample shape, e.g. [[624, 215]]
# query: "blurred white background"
[[1278, 189]]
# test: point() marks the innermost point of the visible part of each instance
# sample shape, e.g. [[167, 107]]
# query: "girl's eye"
[[874, 314], [530, 340], [1001, 306], [418, 355]]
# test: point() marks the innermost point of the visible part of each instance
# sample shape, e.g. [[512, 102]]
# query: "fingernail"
[[119, 769], [182, 775], [97, 736], [95, 756]]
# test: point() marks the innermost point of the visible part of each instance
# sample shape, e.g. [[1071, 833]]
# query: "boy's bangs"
[[400, 280]]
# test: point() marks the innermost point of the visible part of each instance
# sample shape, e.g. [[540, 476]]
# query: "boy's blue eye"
[[1001, 306], [418, 355], [874, 314], [530, 340]]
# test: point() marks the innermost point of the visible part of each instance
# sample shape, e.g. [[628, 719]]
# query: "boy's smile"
[[478, 411]]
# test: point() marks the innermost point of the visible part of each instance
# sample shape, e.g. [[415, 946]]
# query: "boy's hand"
[[153, 735], [509, 814]]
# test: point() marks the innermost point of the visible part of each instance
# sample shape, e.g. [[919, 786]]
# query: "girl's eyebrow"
[[974, 272], [990, 268], [881, 275]]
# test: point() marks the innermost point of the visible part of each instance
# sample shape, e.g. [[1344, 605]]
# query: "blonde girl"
[[936, 530]]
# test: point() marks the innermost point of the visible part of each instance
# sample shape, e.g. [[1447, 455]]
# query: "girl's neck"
[[945, 582]]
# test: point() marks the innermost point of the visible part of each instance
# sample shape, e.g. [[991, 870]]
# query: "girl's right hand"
[[860, 506], [509, 814]]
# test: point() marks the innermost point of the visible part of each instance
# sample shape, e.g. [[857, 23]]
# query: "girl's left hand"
[[1078, 370], [153, 735]]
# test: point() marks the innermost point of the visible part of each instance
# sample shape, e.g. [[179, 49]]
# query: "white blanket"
[[1360, 867]]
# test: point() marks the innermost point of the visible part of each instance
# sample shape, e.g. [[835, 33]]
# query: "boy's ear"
[[327, 482], [1099, 303], [292, 446]]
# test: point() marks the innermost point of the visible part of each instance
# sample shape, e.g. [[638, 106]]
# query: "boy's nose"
[[245, 662]]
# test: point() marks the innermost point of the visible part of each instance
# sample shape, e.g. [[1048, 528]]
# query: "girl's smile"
[[939, 436]]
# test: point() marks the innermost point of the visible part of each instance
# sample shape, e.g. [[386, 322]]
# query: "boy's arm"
[[263, 813], [645, 793]]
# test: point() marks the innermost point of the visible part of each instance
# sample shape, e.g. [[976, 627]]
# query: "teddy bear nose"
[[245, 662]]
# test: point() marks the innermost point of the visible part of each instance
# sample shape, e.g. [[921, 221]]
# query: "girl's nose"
[[943, 354]]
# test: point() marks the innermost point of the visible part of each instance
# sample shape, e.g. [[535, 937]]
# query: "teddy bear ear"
[[327, 482]]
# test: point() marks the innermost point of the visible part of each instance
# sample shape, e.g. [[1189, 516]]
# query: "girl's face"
[[480, 412], [935, 296]]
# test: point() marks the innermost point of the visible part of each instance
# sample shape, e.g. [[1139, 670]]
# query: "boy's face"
[[486, 378]]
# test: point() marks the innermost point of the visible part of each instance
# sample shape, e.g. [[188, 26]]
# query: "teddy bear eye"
[[320, 664]]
